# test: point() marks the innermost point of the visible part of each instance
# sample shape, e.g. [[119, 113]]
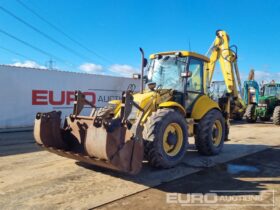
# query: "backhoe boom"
[[227, 57]]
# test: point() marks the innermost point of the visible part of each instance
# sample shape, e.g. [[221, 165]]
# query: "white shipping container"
[[26, 91]]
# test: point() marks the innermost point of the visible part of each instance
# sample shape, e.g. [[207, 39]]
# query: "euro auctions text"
[[50, 97], [223, 198]]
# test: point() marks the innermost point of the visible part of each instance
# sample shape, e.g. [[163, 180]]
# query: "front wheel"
[[211, 133], [165, 137], [276, 115]]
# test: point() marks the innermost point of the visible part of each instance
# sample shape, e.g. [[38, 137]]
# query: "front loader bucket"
[[79, 139]]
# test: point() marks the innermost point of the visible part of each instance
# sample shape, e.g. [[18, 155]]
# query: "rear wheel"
[[211, 133], [166, 137], [250, 114], [276, 115]]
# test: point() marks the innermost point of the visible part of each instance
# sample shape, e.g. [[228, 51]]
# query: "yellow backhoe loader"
[[152, 124]]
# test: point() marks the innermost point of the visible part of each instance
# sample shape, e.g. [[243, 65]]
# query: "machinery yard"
[[139, 105], [32, 178]]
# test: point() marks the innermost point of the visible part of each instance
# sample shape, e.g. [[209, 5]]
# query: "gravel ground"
[[31, 178]]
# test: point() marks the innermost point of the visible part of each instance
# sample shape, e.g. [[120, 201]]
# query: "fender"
[[169, 104], [202, 106]]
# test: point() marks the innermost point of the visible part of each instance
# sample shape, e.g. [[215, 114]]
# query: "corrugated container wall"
[[26, 91]]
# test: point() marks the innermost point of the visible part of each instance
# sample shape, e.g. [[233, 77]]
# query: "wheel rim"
[[172, 139], [217, 132]]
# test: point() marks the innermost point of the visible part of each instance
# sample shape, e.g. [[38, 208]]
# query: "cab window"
[[195, 82]]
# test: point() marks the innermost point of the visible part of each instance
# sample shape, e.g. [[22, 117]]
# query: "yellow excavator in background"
[[153, 124]]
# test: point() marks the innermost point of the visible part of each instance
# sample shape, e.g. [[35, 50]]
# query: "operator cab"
[[271, 90], [181, 71]]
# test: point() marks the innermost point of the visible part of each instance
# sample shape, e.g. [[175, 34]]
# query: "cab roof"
[[272, 84], [183, 54]]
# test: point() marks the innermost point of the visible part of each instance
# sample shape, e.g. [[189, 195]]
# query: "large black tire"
[[206, 133], [153, 136], [276, 115], [227, 132], [250, 113]]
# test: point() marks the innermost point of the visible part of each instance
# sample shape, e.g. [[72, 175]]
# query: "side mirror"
[[136, 76], [186, 74]]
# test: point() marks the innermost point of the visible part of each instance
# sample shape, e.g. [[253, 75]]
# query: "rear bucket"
[[79, 139]]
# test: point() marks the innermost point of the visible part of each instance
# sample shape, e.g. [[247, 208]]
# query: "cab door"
[[194, 86]]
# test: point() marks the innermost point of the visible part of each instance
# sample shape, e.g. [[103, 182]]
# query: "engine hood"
[[155, 97]]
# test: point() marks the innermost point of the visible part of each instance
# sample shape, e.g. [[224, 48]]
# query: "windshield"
[[166, 72], [272, 91]]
